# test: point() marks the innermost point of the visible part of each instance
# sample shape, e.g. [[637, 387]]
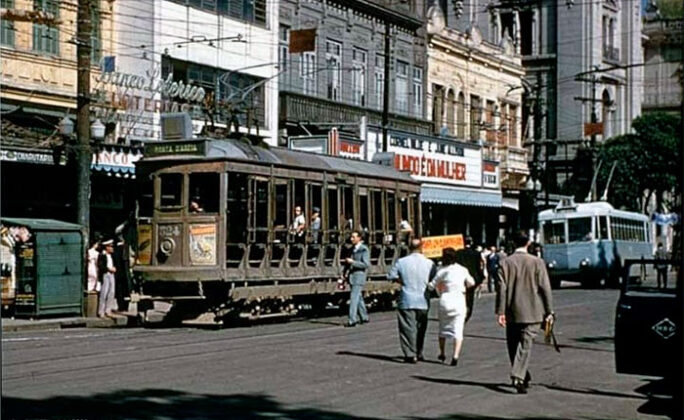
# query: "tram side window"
[[333, 214], [579, 229], [347, 215], [171, 189], [378, 225], [280, 223], [204, 193], [603, 227], [554, 232], [259, 213], [391, 211], [363, 210], [236, 208], [146, 198]]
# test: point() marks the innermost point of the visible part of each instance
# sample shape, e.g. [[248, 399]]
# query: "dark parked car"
[[648, 321]]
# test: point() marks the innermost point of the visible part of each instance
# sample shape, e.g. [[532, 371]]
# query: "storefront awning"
[[460, 196], [117, 160], [511, 203]]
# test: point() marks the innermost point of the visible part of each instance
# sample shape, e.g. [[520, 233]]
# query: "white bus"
[[588, 242]]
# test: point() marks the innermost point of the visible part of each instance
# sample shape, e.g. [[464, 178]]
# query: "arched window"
[[450, 112], [460, 116]]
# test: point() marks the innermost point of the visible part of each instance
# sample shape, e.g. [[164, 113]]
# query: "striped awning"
[[460, 196]]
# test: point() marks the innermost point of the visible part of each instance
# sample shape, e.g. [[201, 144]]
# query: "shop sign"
[[175, 148], [490, 175], [115, 159], [203, 244], [154, 83], [440, 167], [28, 157], [333, 144], [433, 245]]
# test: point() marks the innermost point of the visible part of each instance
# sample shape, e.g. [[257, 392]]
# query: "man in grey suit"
[[413, 272], [523, 301], [357, 266]]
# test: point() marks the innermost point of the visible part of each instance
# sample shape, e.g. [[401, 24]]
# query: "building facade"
[[579, 59], [338, 79], [223, 51], [663, 65], [475, 90], [38, 90]]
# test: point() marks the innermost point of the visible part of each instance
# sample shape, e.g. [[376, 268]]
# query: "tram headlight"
[[584, 263], [551, 265]]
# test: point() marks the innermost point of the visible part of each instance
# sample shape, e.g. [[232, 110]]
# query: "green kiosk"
[[49, 267]]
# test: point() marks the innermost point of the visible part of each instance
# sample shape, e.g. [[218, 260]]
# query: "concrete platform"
[[21, 324]]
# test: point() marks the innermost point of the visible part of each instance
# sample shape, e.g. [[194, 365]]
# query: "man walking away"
[[357, 266], [493, 260], [472, 260], [413, 272], [523, 301]]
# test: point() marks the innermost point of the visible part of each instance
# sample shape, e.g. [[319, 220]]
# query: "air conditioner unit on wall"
[[176, 126]]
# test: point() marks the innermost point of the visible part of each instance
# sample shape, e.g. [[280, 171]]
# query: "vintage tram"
[[215, 229]]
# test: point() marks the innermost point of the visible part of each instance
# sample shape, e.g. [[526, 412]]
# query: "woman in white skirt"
[[451, 282]]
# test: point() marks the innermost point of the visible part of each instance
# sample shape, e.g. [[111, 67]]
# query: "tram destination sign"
[[195, 147]]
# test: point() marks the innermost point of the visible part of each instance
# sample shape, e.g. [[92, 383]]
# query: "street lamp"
[[97, 130], [533, 186]]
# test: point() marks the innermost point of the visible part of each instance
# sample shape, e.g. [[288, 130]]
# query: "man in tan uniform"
[[523, 301]]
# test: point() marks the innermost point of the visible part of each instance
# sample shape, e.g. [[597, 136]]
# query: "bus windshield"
[[554, 232], [579, 229]]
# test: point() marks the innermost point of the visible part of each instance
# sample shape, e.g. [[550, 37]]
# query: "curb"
[[118, 321]]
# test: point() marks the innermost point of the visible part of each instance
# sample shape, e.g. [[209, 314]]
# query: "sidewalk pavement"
[[20, 324]]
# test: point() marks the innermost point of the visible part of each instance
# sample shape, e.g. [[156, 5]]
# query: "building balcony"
[[611, 54], [298, 108]]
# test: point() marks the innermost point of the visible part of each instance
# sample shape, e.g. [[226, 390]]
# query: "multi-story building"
[[475, 90], [338, 79], [223, 51], [38, 90], [663, 65], [580, 58]]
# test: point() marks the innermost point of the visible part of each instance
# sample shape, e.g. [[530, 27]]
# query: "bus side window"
[[603, 227], [280, 221], [146, 198]]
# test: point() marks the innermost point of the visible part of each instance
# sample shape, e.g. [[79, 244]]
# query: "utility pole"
[[83, 154], [593, 119], [386, 88]]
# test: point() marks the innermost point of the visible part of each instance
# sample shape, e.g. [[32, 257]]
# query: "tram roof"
[[587, 209], [232, 149]]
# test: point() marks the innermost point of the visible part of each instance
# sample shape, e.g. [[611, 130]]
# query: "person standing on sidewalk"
[[107, 270], [523, 301], [357, 266], [413, 272]]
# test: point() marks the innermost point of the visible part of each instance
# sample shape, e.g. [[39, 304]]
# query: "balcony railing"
[[514, 160], [611, 54], [300, 108]]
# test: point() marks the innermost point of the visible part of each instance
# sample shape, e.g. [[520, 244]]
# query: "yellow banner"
[[433, 245], [144, 256]]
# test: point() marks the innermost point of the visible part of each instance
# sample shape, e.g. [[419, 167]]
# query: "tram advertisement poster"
[[144, 244], [433, 245], [203, 244]]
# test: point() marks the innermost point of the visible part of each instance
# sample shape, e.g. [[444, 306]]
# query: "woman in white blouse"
[[451, 282]]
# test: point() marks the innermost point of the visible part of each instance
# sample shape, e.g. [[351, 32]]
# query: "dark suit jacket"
[[472, 260], [358, 268], [524, 292]]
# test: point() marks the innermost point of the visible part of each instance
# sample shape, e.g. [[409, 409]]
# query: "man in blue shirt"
[[413, 272]]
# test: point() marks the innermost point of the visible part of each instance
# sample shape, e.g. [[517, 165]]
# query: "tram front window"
[[204, 193], [171, 188]]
